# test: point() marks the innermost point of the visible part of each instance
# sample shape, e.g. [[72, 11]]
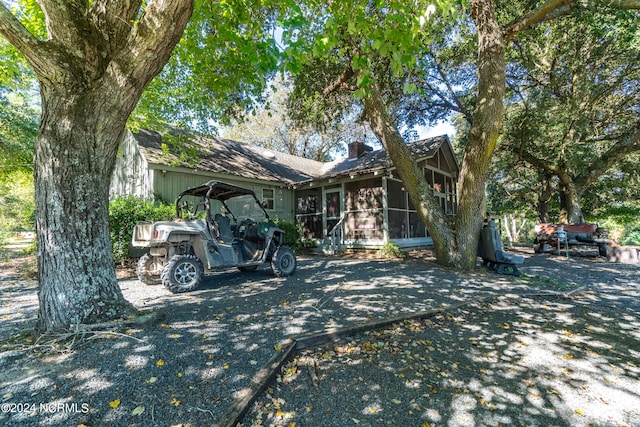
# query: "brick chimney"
[[358, 149]]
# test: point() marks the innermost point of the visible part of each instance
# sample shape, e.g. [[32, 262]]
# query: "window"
[[309, 212], [268, 198]]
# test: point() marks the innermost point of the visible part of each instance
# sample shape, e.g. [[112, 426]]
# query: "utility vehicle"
[[180, 251]]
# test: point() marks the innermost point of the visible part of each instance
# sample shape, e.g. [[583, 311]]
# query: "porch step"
[[326, 248]]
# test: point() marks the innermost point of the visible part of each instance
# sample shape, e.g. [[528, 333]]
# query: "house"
[[357, 202]]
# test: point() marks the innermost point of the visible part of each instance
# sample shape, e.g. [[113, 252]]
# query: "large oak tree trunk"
[[544, 196], [455, 242], [484, 132], [92, 71], [570, 204], [74, 158]]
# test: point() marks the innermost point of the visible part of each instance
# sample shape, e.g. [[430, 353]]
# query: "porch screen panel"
[[309, 212], [404, 222], [363, 210], [398, 224], [396, 195], [416, 227], [364, 225]]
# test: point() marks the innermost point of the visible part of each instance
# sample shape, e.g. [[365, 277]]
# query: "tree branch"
[[344, 77], [21, 38], [629, 143], [114, 19], [66, 22], [535, 161], [150, 43], [624, 4], [554, 8], [539, 14]]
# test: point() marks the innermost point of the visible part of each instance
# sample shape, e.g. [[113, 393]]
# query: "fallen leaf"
[[114, 403], [160, 362], [568, 356], [175, 401], [579, 412], [7, 396], [179, 374], [152, 380], [396, 401], [139, 410]]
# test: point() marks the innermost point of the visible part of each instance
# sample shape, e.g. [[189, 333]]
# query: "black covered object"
[[493, 256]]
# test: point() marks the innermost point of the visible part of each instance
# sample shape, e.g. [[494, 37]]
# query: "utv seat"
[[224, 228], [493, 256]]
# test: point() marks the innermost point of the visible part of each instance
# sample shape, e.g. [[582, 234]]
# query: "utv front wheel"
[[182, 273], [283, 262], [148, 270]]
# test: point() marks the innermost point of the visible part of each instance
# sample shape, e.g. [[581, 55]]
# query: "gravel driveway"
[[501, 358]]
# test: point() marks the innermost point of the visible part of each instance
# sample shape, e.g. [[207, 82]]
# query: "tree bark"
[[544, 196], [570, 206], [484, 132], [455, 242], [92, 72], [417, 187]]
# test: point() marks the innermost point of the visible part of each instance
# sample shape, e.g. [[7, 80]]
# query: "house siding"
[[361, 195], [132, 174]]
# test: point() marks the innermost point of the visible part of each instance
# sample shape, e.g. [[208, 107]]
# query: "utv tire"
[[146, 265], [248, 268], [283, 262], [182, 273]]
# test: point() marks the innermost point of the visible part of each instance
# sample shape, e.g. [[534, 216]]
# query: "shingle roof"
[[225, 156], [378, 159], [219, 155]]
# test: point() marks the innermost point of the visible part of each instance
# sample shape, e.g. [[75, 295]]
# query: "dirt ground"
[[559, 345]]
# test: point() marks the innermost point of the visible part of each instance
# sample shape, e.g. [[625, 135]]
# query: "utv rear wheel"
[[283, 262], [148, 270], [182, 273]]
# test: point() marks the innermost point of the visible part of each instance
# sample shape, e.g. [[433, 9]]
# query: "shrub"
[[292, 234], [125, 213], [623, 224], [631, 237], [390, 250]]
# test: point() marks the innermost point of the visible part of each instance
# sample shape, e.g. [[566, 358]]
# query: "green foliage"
[[574, 93], [125, 213], [632, 237], [387, 42], [17, 205], [220, 67], [18, 130], [271, 127], [180, 142], [623, 223], [390, 251], [292, 233]]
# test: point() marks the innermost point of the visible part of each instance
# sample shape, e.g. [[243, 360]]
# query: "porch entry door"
[[332, 208]]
